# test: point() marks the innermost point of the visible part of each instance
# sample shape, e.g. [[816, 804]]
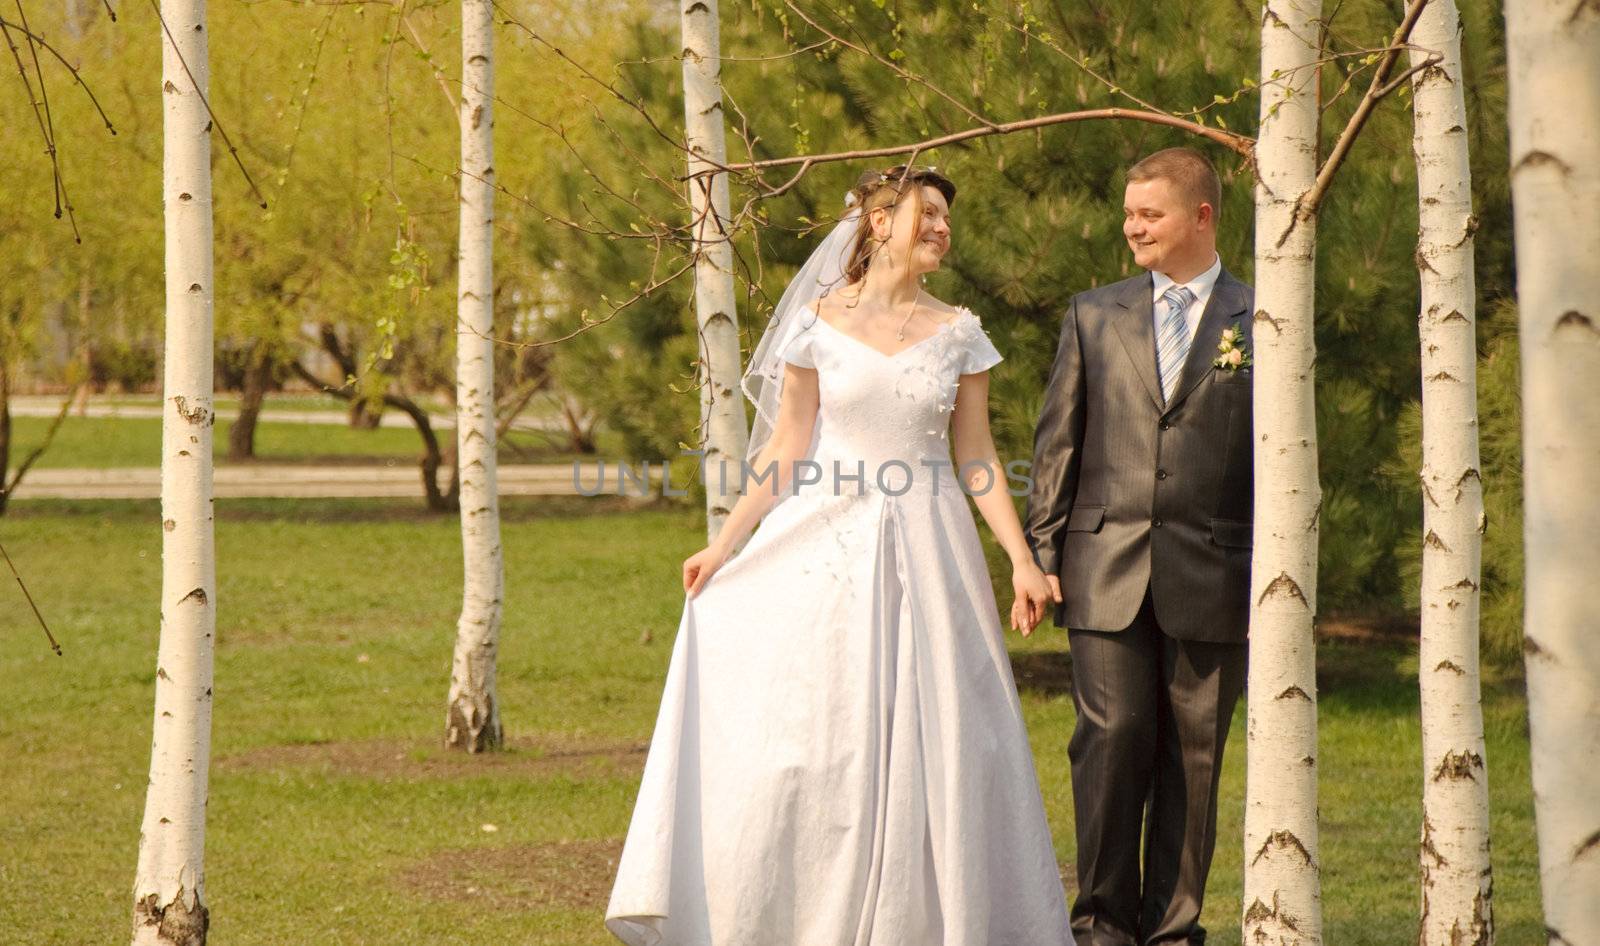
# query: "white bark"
[[1553, 61], [169, 889], [473, 717], [1282, 882], [1454, 851], [721, 405]]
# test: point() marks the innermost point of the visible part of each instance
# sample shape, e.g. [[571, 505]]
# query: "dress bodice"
[[887, 416]]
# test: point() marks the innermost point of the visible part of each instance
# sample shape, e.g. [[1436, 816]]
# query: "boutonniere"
[[1231, 351]]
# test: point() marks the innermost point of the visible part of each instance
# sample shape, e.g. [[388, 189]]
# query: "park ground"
[[335, 816]]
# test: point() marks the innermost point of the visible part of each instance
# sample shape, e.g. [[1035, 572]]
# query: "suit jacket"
[[1130, 493]]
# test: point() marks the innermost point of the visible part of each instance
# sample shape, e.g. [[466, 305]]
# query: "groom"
[[1141, 517]]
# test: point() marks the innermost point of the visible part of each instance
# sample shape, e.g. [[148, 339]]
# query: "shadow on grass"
[[542, 756], [556, 875]]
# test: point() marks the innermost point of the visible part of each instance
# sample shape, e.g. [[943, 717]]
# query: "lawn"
[[335, 818]]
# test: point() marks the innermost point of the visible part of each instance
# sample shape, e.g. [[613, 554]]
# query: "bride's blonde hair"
[[885, 189]]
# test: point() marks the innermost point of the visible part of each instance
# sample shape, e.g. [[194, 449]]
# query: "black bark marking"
[[1262, 316], [1427, 493], [1458, 766], [1432, 541], [1283, 841], [1535, 159], [1260, 913], [1283, 584], [161, 673], [199, 595], [1292, 693], [1451, 666], [168, 525], [1533, 649], [1589, 846], [200, 416], [1443, 376], [169, 88], [1577, 320], [1466, 583], [175, 922], [1428, 848], [1454, 316]]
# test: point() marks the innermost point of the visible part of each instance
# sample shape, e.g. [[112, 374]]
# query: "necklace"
[[900, 334]]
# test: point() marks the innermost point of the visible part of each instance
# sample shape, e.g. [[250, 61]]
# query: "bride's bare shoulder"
[[830, 306], [941, 310]]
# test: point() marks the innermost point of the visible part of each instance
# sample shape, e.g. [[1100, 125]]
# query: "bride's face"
[[918, 232]]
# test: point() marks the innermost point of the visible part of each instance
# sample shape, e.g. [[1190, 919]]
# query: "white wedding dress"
[[840, 758]]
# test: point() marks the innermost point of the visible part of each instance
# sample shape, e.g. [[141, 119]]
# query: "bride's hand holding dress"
[[791, 439]]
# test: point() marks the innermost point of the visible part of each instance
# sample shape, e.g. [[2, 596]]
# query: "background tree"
[[1457, 881], [1553, 53], [169, 889], [472, 718], [1282, 878], [722, 414]]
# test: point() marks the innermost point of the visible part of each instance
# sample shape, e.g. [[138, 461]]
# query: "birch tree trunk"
[[169, 890], [473, 717], [1553, 61], [721, 405], [1282, 873], [1454, 852]]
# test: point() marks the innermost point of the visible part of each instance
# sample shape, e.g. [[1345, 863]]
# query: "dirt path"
[[258, 481], [37, 406]]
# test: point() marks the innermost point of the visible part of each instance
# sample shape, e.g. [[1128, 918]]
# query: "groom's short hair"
[[1189, 172]]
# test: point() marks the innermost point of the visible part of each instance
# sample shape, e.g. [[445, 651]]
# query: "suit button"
[[1155, 523], [1161, 474], [1165, 426]]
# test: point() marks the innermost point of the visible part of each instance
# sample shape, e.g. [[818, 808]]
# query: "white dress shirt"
[[1200, 285]]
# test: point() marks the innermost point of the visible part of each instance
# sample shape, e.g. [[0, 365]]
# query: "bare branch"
[[1376, 91], [1240, 144], [65, 64]]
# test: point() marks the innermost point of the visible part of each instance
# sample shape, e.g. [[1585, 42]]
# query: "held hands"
[[1035, 591], [699, 567]]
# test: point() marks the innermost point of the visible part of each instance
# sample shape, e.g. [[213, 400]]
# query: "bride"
[[840, 757]]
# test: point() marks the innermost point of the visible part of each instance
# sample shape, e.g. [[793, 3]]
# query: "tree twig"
[[52, 638], [195, 84], [1379, 88]]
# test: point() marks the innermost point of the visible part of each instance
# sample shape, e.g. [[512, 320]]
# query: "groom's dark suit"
[[1143, 509]]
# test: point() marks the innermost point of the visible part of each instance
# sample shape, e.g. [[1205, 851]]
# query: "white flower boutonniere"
[[1231, 351]]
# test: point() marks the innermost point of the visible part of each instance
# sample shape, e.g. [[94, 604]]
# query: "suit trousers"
[[1153, 718]]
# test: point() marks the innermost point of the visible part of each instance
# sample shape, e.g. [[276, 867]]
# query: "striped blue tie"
[[1172, 344]]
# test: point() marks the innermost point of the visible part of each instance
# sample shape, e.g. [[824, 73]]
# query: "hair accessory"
[[850, 199]]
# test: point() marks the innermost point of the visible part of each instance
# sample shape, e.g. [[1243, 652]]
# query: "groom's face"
[[1164, 230]]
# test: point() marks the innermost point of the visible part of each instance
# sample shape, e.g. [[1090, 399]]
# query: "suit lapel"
[[1135, 327], [1228, 302]]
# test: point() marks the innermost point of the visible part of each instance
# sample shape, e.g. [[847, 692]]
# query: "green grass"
[[329, 797], [104, 442]]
